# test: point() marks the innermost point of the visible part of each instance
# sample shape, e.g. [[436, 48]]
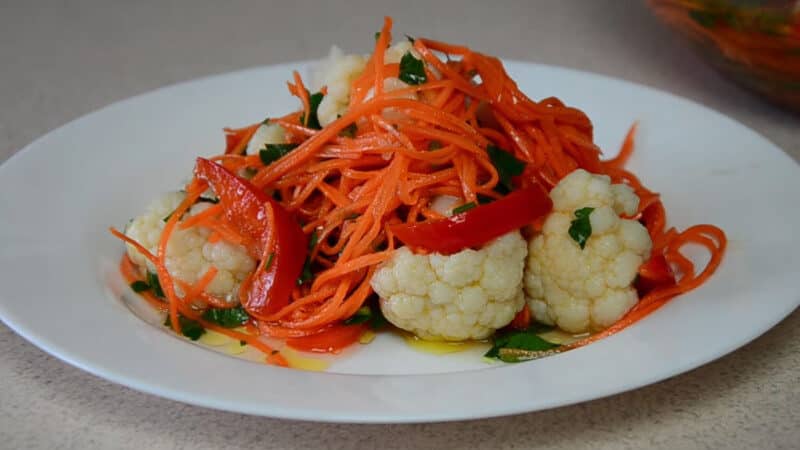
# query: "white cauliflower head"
[[270, 133], [396, 52], [337, 72], [467, 295], [586, 289], [189, 254]]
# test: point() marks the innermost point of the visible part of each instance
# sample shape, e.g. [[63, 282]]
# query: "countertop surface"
[[63, 59]]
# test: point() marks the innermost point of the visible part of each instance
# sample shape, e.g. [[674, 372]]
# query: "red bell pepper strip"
[[654, 273], [269, 287], [332, 340], [478, 225]]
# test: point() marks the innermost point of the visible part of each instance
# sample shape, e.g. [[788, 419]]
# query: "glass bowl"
[[757, 43]]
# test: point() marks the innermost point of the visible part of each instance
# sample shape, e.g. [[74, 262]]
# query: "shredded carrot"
[[385, 160], [626, 150]]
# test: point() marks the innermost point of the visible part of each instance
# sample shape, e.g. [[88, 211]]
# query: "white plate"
[[61, 290]]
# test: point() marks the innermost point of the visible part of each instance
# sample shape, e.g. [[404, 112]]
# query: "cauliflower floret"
[[591, 288], [396, 52], [271, 133], [189, 254], [444, 204], [337, 72], [467, 295]]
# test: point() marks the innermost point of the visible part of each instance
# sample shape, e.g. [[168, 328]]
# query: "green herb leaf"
[[515, 355], [155, 285], [273, 152], [306, 275], [242, 343], [484, 199], [434, 145], [140, 286], [213, 200], [313, 240], [377, 35], [377, 321], [364, 314], [350, 131], [166, 219], [464, 208], [189, 328], [507, 165], [526, 340], [313, 120], [412, 70], [580, 229], [228, 318], [270, 258]]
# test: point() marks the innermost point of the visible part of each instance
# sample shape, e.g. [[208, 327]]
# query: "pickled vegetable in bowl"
[[757, 43]]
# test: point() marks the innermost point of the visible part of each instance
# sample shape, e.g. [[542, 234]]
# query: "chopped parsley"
[[313, 240], [155, 285], [484, 199], [150, 283], [377, 321], [213, 200], [139, 286], [273, 152], [189, 328], [371, 315], [270, 259], [507, 165], [169, 216], [228, 318], [464, 208], [580, 229], [516, 346], [307, 275], [412, 70], [362, 315], [313, 120]]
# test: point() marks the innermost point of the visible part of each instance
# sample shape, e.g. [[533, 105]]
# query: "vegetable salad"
[[416, 187]]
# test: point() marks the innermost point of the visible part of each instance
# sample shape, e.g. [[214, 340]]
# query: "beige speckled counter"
[[60, 60]]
